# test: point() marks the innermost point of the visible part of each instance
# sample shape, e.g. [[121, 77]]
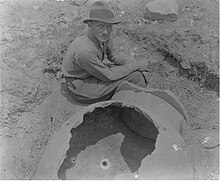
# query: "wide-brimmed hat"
[[100, 12]]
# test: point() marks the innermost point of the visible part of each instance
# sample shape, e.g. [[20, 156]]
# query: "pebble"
[[34, 32], [121, 13], [11, 26], [191, 22], [185, 65], [23, 21], [7, 37], [209, 140], [176, 147], [155, 22], [67, 19], [13, 61], [63, 25], [47, 42], [43, 28], [36, 8]]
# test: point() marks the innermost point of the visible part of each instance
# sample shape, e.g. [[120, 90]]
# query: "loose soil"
[[183, 57]]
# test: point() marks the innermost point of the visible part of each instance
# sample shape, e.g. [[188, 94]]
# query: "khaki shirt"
[[86, 57]]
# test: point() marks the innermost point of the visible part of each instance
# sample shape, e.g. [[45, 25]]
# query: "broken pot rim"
[[62, 142]]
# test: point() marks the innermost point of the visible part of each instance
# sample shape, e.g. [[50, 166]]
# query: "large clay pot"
[[97, 143], [162, 105]]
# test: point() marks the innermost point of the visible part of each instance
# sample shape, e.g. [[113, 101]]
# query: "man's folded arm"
[[116, 56], [90, 63]]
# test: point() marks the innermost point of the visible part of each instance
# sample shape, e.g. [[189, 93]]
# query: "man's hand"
[[124, 59], [115, 55], [143, 66]]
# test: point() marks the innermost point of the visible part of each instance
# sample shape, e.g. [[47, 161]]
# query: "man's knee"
[[136, 78], [137, 75]]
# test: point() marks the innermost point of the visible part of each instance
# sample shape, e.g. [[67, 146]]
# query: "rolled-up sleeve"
[[90, 63]]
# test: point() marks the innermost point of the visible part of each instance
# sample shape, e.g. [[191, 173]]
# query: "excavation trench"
[[110, 120]]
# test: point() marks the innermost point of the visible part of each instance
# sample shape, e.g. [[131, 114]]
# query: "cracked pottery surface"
[[122, 154]]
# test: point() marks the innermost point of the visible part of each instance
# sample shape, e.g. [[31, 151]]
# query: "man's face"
[[101, 31]]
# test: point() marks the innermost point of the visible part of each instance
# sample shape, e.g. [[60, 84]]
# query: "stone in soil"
[[165, 10]]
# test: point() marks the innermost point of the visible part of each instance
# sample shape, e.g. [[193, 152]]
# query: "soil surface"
[[35, 34]]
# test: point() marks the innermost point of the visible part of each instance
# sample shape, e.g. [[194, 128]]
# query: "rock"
[[185, 64], [63, 25], [43, 28], [209, 139], [36, 8], [66, 19], [7, 37], [163, 6], [23, 21], [34, 32], [165, 10]]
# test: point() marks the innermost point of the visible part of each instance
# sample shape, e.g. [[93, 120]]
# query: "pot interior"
[[98, 151]]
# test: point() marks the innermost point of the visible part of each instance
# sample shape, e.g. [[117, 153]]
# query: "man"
[[92, 68]]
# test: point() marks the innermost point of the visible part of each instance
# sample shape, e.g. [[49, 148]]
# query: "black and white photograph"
[[109, 90]]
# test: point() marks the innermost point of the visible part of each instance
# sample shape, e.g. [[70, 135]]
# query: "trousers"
[[91, 89]]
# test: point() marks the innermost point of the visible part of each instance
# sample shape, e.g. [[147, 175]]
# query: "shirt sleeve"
[[90, 63]]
